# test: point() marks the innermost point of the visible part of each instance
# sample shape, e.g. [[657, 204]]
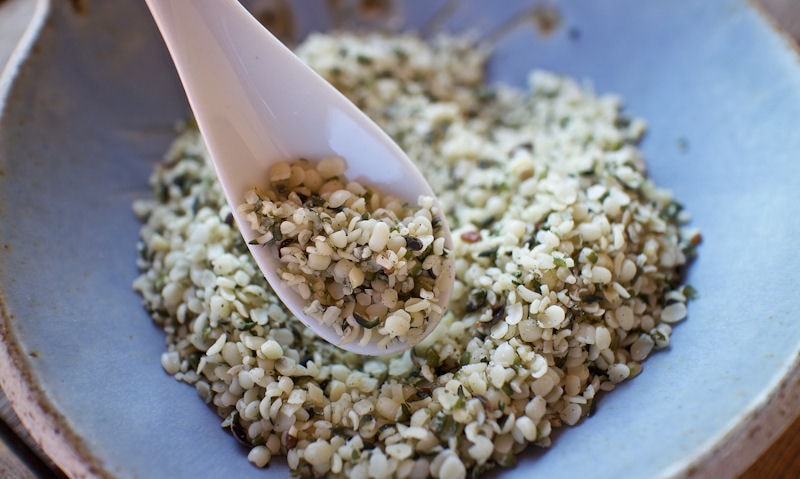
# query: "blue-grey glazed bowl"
[[93, 107]]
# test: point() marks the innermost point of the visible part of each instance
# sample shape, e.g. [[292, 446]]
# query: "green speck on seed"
[[364, 323], [465, 358], [366, 420], [194, 360], [404, 413], [486, 94], [443, 425], [476, 300], [690, 292], [415, 269], [488, 221], [276, 233], [591, 298], [589, 407], [486, 163], [671, 211], [560, 361], [508, 460], [432, 358], [501, 187], [507, 389], [258, 441], [401, 54]]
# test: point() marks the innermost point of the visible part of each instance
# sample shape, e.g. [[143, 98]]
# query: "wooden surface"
[[21, 459], [781, 460]]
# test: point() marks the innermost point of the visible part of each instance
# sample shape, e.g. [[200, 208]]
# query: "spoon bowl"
[[257, 104]]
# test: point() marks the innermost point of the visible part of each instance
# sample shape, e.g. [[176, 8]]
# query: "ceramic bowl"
[[92, 108]]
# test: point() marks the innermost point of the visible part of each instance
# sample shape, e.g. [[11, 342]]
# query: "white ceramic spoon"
[[256, 104]]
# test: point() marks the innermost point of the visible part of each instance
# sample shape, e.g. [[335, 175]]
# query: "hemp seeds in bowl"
[[568, 264]]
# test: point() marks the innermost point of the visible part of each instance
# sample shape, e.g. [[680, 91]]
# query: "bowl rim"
[[49, 428]]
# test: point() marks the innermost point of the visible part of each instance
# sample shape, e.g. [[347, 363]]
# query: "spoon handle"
[[241, 81]]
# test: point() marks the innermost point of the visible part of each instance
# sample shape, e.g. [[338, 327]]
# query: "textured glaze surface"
[[93, 109]]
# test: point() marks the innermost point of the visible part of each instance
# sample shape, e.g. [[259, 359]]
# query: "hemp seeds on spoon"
[[367, 264]]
